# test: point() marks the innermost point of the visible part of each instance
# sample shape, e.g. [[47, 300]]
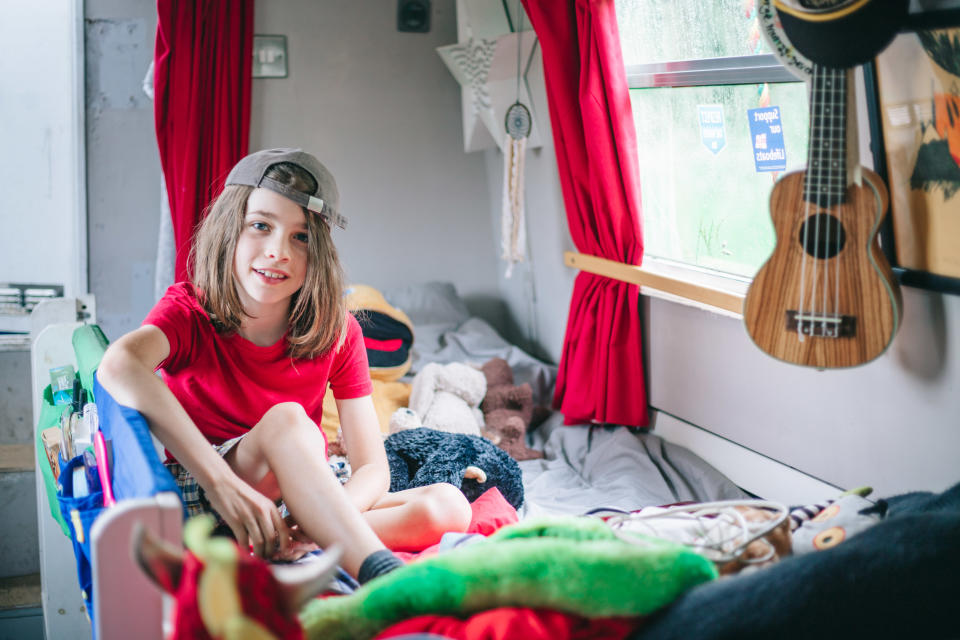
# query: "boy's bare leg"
[[283, 454], [417, 518]]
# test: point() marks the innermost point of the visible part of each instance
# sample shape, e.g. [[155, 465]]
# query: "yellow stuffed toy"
[[388, 336]]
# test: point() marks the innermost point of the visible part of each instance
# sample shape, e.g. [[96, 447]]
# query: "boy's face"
[[270, 261]]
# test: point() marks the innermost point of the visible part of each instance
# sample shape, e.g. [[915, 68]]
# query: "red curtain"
[[202, 69], [601, 369]]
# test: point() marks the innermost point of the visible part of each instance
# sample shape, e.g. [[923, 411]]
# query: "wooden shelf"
[[16, 457]]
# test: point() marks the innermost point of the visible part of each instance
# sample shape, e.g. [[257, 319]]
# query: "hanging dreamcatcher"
[[518, 125]]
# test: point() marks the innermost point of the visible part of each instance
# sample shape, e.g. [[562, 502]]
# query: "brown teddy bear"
[[507, 410]]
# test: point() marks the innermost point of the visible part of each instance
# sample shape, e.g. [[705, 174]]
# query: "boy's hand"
[[298, 546], [254, 519]]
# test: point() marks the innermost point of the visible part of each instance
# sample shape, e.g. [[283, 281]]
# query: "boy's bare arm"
[[127, 372], [370, 476]]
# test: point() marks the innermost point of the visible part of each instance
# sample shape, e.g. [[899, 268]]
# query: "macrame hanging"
[[517, 124]]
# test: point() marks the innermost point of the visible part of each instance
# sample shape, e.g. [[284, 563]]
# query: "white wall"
[[893, 424], [123, 164], [381, 110], [41, 138], [538, 293]]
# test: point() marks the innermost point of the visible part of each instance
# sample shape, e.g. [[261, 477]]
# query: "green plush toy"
[[571, 564]]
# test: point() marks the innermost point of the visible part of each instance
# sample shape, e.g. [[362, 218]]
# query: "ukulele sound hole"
[[822, 236]]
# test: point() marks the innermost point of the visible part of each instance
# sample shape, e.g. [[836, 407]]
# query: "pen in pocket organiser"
[[104, 468]]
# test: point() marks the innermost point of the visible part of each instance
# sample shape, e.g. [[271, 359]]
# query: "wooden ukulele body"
[[840, 311]]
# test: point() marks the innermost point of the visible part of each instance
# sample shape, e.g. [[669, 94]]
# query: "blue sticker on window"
[[766, 133], [712, 132]]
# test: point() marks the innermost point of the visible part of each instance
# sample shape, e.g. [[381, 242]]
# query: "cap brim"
[[850, 38]]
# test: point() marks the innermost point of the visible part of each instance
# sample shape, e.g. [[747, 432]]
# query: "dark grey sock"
[[377, 564]]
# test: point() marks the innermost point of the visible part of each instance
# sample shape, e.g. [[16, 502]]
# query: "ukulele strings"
[[831, 179], [823, 176], [843, 186], [836, 181], [807, 197], [806, 214]]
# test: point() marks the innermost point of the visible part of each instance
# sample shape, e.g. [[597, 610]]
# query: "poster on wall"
[[918, 77]]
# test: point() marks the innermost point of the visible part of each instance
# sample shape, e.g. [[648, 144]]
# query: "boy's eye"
[[260, 226]]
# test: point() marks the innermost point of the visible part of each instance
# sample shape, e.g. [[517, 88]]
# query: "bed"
[[586, 468]]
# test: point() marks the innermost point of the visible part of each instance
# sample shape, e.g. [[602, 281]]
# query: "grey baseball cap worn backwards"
[[325, 202]]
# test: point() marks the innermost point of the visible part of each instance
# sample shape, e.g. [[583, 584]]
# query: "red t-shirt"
[[227, 383]]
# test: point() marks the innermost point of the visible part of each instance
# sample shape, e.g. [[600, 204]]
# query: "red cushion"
[[490, 512]]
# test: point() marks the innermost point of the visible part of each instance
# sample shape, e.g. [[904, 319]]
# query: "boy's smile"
[[270, 261]]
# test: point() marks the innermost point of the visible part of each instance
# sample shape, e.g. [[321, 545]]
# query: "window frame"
[[673, 280]]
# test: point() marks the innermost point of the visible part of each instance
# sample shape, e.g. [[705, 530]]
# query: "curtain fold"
[[601, 377], [202, 78]]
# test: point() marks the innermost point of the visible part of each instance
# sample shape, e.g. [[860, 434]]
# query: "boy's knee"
[[285, 413], [286, 421], [444, 508]]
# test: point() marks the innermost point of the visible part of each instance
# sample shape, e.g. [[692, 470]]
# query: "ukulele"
[[826, 297]]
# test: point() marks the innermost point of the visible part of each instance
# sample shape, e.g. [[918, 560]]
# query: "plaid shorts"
[[194, 498]]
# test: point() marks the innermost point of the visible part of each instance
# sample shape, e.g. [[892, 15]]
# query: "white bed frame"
[[125, 600], [748, 469]]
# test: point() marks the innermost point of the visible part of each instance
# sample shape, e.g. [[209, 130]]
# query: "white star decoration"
[[484, 62]]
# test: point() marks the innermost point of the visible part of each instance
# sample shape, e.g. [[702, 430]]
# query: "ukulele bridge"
[[821, 325]]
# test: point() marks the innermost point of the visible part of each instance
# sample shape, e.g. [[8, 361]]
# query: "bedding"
[[585, 467], [444, 332]]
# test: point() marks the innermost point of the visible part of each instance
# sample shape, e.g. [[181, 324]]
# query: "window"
[[695, 70]]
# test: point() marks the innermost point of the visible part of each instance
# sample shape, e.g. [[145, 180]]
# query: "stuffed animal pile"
[[507, 410], [388, 338], [424, 456], [445, 397], [457, 398], [221, 592]]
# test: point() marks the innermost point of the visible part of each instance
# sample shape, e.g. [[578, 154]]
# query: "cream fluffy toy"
[[446, 398]]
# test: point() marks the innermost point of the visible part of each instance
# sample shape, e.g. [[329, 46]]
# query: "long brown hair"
[[317, 320]]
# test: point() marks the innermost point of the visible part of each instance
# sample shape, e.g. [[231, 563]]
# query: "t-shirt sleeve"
[[350, 373], [176, 314]]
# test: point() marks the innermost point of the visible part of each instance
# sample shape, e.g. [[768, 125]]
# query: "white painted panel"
[[749, 470], [893, 424], [44, 236]]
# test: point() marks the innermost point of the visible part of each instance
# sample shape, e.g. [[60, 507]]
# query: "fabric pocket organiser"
[[79, 514]]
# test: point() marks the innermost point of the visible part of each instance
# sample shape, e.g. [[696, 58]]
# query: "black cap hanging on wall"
[[841, 33], [413, 15]]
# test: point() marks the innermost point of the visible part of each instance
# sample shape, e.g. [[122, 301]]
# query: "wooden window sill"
[[699, 289]]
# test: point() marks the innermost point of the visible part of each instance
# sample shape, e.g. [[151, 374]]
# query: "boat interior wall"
[[891, 424], [384, 112], [380, 108]]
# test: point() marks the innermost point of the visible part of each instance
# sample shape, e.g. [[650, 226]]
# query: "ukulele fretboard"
[[826, 177]]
